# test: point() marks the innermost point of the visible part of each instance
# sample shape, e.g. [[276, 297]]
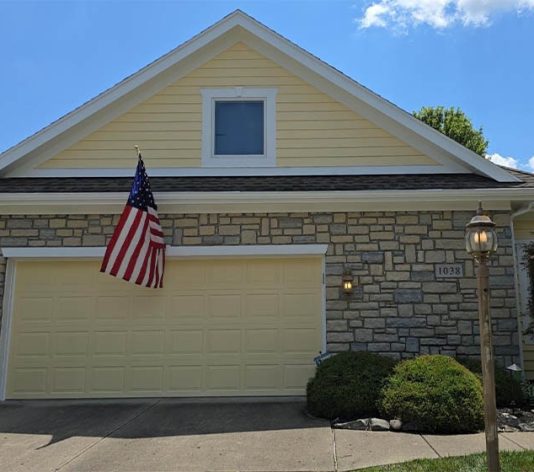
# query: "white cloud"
[[496, 158], [438, 14], [531, 163]]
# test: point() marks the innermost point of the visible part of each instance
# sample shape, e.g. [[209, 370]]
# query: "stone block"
[[335, 337], [408, 295], [412, 344], [422, 276], [288, 222], [373, 257], [336, 325], [440, 287], [363, 335], [406, 322], [434, 256], [374, 323], [18, 223]]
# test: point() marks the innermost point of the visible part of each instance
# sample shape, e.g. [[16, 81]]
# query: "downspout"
[[521, 211]]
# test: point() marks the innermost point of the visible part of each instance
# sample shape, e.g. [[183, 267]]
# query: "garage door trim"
[[14, 254]]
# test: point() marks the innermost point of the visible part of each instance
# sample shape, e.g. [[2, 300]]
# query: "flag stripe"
[[128, 235], [136, 253], [114, 237], [138, 228]]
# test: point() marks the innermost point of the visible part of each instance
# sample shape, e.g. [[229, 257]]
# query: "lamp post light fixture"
[[481, 242]]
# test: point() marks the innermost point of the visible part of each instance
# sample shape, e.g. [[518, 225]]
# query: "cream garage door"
[[237, 326]]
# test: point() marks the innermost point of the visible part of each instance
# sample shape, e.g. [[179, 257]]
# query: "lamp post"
[[481, 242]]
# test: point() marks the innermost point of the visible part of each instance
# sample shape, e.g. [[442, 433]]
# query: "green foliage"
[[436, 394], [508, 389], [348, 385], [511, 461], [453, 123]]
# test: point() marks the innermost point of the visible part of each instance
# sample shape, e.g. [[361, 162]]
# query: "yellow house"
[[277, 178]]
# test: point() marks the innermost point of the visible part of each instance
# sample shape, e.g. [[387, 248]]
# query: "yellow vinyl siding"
[[524, 231], [524, 228], [230, 326], [312, 128]]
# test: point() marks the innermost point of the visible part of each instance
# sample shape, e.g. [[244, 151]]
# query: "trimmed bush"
[[508, 389], [347, 385], [436, 394]]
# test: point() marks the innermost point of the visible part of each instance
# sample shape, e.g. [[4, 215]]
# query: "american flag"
[[136, 252]]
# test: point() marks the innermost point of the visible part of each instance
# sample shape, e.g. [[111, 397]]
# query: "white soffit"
[[238, 26]]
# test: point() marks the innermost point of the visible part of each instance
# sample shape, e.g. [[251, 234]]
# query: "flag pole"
[[136, 147]]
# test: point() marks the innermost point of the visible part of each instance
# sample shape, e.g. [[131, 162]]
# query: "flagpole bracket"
[[136, 147]]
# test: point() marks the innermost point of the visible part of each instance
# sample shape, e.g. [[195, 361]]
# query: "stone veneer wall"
[[398, 308]]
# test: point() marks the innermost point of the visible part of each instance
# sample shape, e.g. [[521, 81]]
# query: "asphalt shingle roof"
[[265, 183]]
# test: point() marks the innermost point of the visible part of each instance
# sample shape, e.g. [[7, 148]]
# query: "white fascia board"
[[256, 250], [238, 171], [223, 202]]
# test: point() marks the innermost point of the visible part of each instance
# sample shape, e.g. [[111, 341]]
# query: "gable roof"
[[114, 101], [296, 183]]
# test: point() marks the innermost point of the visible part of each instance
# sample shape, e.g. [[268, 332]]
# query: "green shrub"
[[508, 389], [435, 394], [347, 385]]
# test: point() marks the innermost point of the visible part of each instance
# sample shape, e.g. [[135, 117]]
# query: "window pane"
[[238, 127]]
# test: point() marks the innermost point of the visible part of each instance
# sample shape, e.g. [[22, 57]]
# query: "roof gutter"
[[210, 202]]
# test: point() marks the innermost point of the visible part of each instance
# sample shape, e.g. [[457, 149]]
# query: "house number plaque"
[[449, 270]]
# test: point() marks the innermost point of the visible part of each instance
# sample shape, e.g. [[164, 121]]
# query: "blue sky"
[[473, 54]]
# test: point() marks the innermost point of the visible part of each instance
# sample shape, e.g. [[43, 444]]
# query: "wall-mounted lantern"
[[347, 281]]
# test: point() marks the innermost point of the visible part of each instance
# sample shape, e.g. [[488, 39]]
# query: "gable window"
[[238, 127]]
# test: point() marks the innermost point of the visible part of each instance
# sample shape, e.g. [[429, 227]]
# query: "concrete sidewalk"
[[171, 435]]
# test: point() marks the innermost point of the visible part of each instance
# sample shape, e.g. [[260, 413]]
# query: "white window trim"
[[268, 96]]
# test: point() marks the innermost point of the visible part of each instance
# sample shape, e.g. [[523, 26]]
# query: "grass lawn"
[[522, 461]]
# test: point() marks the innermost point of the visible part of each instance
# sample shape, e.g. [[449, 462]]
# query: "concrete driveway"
[[170, 435]]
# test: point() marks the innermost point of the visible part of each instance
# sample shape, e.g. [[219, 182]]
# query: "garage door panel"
[[223, 378], [112, 308], [32, 344], [75, 308], [264, 377], [29, 381], [261, 340], [219, 327], [299, 340], [187, 306], [145, 379], [225, 274], [262, 305], [68, 380], [109, 343], [149, 308], [185, 378], [264, 272], [108, 380], [36, 308], [224, 305], [146, 342], [70, 343], [186, 341], [223, 341]]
